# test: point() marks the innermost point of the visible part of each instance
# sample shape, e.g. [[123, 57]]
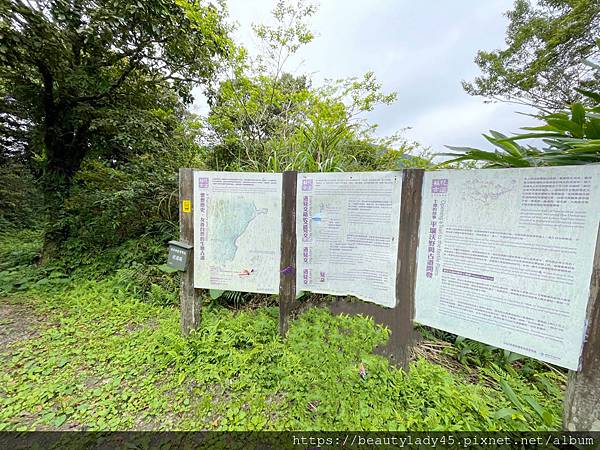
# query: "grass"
[[104, 361], [93, 356]]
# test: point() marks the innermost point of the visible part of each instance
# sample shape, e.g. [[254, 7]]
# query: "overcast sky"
[[419, 49]]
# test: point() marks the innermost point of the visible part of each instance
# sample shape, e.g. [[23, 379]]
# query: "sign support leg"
[[581, 411], [403, 333], [287, 273], [190, 305]]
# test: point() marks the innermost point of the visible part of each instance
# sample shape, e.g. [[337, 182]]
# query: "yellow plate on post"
[[186, 206]]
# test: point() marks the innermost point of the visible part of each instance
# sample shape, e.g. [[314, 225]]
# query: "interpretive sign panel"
[[347, 234], [237, 231], [505, 257]]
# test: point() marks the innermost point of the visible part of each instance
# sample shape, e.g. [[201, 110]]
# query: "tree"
[[263, 118], [249, 111], [258, 100], [548, 43], [104, 80], [83, 77]]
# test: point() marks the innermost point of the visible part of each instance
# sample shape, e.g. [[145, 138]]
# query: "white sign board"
[[237, 231], [347, 234], [505, 257]]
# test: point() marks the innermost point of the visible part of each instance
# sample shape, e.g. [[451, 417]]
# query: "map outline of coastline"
[[221, 243]]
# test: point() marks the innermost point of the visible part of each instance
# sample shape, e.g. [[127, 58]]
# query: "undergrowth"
[[106, 360], [108, 355], [135, 265]]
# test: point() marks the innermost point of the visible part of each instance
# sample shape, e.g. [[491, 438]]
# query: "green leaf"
[[535, 405], [567, 125], [504, 160], [459, 149], [548, 418], [511, 357], [540, 128], [532, 136], [499, 140], [558, 115], [578, 114], [592, 128], [166, 269], [59, 420], [589, 94], [215, 293], [503, 413], [508, 391]]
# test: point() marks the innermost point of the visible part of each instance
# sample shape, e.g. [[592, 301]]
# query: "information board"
[[237, 231], [505, 257], [347, 234]]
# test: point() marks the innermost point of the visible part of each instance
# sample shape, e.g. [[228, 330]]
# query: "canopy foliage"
[[107, 78], [547, 45]]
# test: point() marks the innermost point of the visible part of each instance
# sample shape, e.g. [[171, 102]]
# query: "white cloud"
[[461, 124], [422, 50]]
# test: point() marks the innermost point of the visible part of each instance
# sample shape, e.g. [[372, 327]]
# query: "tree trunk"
[[64, 157]]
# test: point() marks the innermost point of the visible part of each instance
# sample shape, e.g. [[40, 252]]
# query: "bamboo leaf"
[[578, 114], [508, 391]]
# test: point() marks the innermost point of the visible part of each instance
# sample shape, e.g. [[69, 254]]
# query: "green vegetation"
[[99, 120], [549, 64], [547, 45], [571, 137], [94, 128], [120, 205], [106, 79], [100, 357], [265, 119]]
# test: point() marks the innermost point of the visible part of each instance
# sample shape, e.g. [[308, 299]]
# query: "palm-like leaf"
[[570, 138]]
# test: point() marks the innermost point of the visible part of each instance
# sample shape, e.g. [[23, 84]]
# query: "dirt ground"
[[18, 322]]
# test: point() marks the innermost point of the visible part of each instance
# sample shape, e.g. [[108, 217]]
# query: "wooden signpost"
[[190, 304], [406, 277], [581, 411], [398, 319], [287, 272], [582, 401]]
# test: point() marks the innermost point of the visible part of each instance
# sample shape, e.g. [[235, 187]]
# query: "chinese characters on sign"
[[505, 257], [237, 231], [178, 255], [347, 240]]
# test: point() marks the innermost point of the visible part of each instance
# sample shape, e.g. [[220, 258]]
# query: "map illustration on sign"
[[505, 257], [231, 219], [347, 234], [486, 192], [237, 227]]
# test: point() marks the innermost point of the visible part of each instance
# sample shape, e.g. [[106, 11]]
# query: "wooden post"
[[191, 308], [581, 410], [402, 337], [399, 319], [287, 274]]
